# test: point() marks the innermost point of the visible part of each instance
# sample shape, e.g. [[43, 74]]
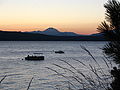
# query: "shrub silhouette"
[[111, 30]]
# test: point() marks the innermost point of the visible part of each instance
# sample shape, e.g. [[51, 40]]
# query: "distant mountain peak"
[[51, 30], [55, 32]]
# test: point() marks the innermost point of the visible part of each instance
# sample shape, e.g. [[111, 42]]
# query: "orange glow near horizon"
[[79, 16], [80, 29]]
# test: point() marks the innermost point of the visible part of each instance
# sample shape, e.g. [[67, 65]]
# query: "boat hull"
[[35, 58]]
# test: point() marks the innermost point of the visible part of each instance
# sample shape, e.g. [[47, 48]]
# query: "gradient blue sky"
[[80, 16]]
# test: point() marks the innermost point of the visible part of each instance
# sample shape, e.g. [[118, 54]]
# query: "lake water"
[[19, 72]]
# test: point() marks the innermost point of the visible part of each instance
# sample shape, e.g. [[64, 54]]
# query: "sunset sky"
[[80, 16]]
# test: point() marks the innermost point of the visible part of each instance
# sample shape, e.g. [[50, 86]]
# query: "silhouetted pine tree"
[[111, 30]]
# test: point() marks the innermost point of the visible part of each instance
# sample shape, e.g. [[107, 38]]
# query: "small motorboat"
[[60, 52], [34, 58]]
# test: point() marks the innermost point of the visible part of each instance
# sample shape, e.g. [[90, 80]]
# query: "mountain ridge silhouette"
[[22, 36], [55, 32]]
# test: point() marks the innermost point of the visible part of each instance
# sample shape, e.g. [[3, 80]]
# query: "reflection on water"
[[19, 72]]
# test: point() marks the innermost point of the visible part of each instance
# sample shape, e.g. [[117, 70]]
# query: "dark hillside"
[[20, 36]]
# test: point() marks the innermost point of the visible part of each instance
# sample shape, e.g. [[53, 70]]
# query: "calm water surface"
[[19, 72]]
